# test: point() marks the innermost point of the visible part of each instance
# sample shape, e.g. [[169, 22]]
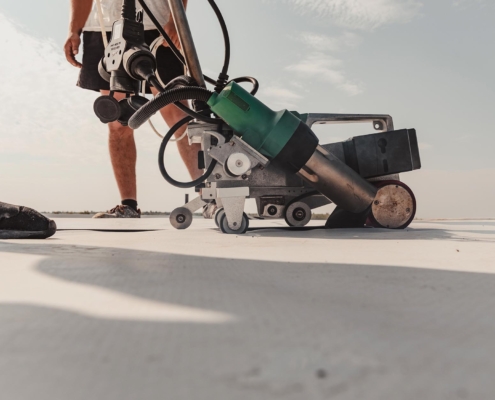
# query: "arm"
[[172, 31], [80, 10]]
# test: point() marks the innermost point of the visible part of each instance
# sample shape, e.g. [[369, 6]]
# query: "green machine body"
[[278, 135]]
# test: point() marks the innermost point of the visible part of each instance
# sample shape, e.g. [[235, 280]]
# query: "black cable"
[[153, 81], [249, 79], [129, 9], [197, 115], [161, 162], [171, 44], [226, 37], [223, 77]]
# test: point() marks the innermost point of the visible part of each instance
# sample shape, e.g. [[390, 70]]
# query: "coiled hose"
[[161, 162], [166, 98]]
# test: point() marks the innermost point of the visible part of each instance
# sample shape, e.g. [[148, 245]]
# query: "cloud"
[[281, 97], [425, 146], [326, 68], [462, 4], [360, 14], [432, 189], [321, 42], [43, 113]]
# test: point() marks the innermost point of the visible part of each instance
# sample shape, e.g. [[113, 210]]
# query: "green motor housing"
[[280, 136]]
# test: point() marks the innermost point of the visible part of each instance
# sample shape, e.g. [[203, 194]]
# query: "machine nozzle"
[[283, 137], [338, 182]]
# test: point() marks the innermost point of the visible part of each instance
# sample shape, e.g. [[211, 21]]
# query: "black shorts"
[[169, 67]]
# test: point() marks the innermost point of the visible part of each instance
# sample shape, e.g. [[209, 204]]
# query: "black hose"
[[248, 79], [161, 162], [166, 98], [182, 81]]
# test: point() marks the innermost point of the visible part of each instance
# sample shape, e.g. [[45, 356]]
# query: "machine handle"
[[381, 122]]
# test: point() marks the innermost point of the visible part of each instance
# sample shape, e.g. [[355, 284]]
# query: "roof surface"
[[133, 309]]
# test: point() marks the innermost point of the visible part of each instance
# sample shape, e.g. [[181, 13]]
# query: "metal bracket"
[[233, 201], [195, 205], [381, 122], [221, 152]]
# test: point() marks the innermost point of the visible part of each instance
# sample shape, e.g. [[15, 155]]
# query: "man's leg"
[[189, 153], [123, 156]]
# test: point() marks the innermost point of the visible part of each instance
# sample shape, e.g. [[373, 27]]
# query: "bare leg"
[[123, 156], [189, 153]]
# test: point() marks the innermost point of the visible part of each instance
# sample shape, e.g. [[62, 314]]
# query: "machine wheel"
[[224, 226], [218, 216], [394, 206], [181, 218], [298, 214]]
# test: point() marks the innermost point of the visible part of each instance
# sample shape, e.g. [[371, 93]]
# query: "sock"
[[131, 203]]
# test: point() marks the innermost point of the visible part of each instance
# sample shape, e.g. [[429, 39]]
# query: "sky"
[[429, 64]]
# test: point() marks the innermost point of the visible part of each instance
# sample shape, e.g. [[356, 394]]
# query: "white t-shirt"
[[112, 12]]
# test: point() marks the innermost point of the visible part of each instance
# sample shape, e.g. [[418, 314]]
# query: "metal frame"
[[187, 43], [381, 122]]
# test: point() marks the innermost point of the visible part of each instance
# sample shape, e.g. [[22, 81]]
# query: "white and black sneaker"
[[120, 211], [209, 210]]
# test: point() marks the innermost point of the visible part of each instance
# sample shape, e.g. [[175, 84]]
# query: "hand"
[[172, 33], [71, 49]]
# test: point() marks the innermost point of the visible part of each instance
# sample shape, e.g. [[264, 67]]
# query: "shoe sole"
[[11, 234]]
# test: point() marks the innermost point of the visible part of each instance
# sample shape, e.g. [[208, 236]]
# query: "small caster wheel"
[[394, 206], [224, 226], [218, 216], [181, 218], [298, 214]]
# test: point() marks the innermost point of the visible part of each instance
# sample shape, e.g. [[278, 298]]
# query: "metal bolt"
[[244, 177], [299, 214], [218, 176], [181, 218]]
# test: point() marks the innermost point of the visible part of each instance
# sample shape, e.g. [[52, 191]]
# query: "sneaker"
[[209, 210], [120, 212], [18, 222]]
